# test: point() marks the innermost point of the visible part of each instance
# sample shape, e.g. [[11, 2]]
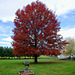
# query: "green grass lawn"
[[51, 66]]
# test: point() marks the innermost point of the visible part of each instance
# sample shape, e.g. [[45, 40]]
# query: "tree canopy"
[[35, 31]]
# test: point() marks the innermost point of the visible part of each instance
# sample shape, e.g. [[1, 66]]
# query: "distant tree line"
[[6, 52]]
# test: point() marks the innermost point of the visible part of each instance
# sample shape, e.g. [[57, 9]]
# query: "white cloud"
[[7, 39], [67, 33], [5, 19], [9, 7], [64, 6], [4, 35], [4, 43], [4, 29]]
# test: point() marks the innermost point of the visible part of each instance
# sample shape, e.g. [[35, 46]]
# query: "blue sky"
[[65, 11]]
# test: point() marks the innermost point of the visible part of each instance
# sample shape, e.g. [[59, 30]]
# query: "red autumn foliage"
[[35, 31]]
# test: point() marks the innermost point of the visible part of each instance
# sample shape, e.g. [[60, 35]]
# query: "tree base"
[[35, 60]]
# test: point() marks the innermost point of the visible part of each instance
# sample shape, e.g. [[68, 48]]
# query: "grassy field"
[[51, 66]]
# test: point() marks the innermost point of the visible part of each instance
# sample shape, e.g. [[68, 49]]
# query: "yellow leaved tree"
[[69, 48]]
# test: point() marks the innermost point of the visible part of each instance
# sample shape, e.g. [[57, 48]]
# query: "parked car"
[[73, 57], [63, 57]]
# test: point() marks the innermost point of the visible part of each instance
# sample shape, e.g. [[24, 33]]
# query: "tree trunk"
[[70, 56], [19, 57], [30, 57], [35, 47], [35, 61]]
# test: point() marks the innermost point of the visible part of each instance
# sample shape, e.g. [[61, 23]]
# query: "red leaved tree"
[[35, 32]]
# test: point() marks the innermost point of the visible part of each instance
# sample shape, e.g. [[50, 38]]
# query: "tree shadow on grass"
[[40, 62], [48, 62]]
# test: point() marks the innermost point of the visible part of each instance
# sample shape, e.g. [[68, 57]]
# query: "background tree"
[[1, 52], [70, 48], [35, 32], [6, 52]]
